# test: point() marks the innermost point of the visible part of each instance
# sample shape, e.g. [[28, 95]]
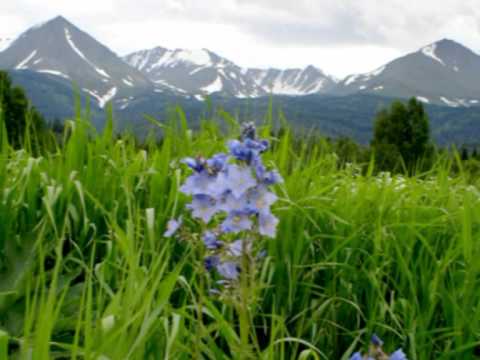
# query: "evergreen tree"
[[401, 133], [464, 154], [475, 154], [16, 112]]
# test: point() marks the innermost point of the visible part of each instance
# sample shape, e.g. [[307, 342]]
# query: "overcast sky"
[[339, 36]]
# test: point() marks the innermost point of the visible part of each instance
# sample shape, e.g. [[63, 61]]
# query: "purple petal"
[[172, 227], [236, 222], [398, 355], [203, 207], [236, 248], [239, 179], [356, 356], [197, 165], [376, 340], [211, 242], [229, 270], [211, 262], [267, 224]]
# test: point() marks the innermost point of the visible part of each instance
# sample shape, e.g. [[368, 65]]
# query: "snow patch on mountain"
[[23, 64], [423, 99], [455, 102], [107, 97], [430, 52], [127, 82], [53, 72], [169, 86], [197, 57], [68, 36], [373, 73], [102, 99], [351, 79], [215, 86]]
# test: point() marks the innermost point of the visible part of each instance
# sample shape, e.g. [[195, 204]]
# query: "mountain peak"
[[447, 45], [59, 21], [446, 41], [59, 49]]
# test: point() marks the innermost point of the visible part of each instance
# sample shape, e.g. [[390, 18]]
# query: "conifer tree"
[[16, 111], [401, 133]]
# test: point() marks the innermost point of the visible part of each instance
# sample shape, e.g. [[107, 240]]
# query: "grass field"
[[86, 272]]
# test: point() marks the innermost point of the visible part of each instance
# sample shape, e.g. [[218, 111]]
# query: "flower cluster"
[[376, 352], [231, 196]]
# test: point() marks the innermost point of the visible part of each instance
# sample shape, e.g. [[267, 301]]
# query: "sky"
[[339, 36]]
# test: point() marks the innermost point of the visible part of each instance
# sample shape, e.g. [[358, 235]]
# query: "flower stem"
[[243, 311]]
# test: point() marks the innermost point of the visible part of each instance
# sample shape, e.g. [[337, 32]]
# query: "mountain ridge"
[[59, 48], [48, 58], [443, 73]]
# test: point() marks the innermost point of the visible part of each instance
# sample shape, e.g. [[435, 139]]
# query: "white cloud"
[[340, 36]]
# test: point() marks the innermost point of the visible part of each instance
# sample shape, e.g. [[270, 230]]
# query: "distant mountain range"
[[48, 58], [201, 72]]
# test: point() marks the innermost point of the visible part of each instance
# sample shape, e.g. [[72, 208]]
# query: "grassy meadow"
[[86, 273]]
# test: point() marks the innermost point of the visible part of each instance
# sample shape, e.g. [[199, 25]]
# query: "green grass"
[[87, 274]]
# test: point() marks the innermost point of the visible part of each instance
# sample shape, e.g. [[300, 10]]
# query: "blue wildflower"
[[241, 152], [260, 199], [217, 163], [376, 352], [267, 224], [172, 227], [266, 177], [259, 168], [211, 241], [356, 356], [237, 190], [272, 177], [398, 355], [197, 164], [239, 179], [236, 248], [198, 183], [211, 262], [203, 207], [256, 146], [237, 221], [376, 341], [227, 202], [229, 270]]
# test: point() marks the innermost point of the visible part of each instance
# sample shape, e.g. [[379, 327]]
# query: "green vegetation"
[[19, 118], [402, 135], [86, 273]]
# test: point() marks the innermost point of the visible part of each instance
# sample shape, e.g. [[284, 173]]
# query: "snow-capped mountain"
[[309, 80], [443, 73], [194, 72], [4, 43], [204, 72], [58, 48]]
